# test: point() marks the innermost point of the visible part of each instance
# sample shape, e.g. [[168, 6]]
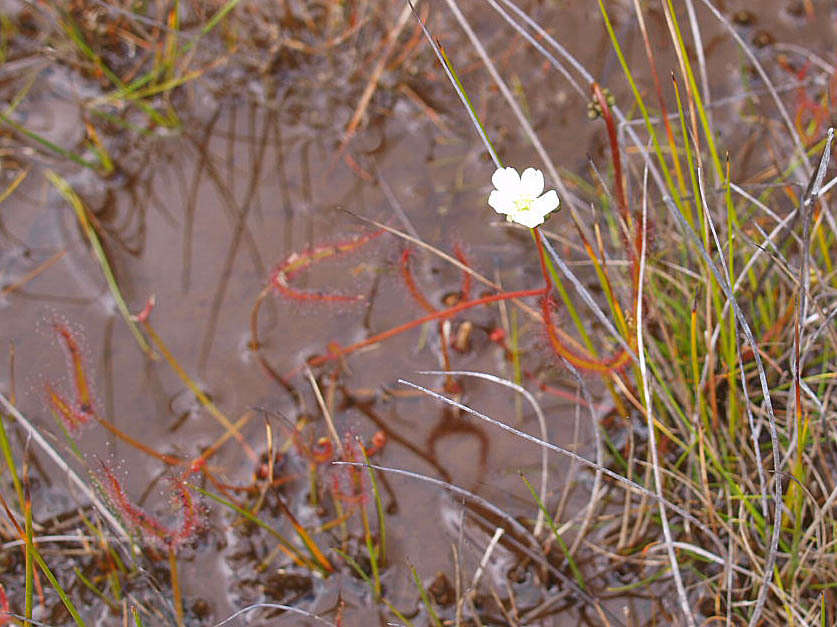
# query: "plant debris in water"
[[309, 376]]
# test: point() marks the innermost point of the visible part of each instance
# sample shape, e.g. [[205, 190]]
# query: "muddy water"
[[200, 216]]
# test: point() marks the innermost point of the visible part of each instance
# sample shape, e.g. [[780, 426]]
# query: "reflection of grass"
[[712, 338]]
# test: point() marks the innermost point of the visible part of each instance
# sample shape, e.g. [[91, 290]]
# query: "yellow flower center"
[[524, 203]]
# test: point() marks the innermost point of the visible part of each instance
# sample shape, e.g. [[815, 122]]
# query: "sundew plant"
[[675, 291]]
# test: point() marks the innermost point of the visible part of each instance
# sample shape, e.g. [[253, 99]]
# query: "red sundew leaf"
[[297, 262], [379, 440], [322, 452], [349, 483], [5, 611], [190, 512], [83, 397], [497, 335], [143, 315], [347, 486], [832, 88], [316, 454], [152, 531], [72, 418], [465, 290], [411, 284]]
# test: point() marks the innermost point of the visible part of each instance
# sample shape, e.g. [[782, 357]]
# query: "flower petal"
[[527, 218], [501, 201], [531, 182], [546, 203], [506, 179]]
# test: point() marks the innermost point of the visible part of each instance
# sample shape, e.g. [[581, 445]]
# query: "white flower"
[[519, 197]]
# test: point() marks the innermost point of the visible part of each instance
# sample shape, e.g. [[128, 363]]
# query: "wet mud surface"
[[202, 215]]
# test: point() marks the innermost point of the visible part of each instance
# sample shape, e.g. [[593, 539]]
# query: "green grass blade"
[[431, 612], [579, 578], [136, 615], [379, 508], [81, 214], [29, 572], [259, 522], [57, 587], [63, 152], [675, 194], [357, 568], [9, 458]]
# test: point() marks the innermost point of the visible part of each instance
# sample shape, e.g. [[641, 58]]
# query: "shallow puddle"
[[203, 216]]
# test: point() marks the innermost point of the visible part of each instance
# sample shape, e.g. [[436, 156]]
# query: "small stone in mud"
[[29, 27], [441, 591], [744, 18], [282, 584], [451, 298], [7, 561], [707, 607], [796, 9], [762, 39], [201, 608], [750, 72], [518, 574], [462, 337]]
